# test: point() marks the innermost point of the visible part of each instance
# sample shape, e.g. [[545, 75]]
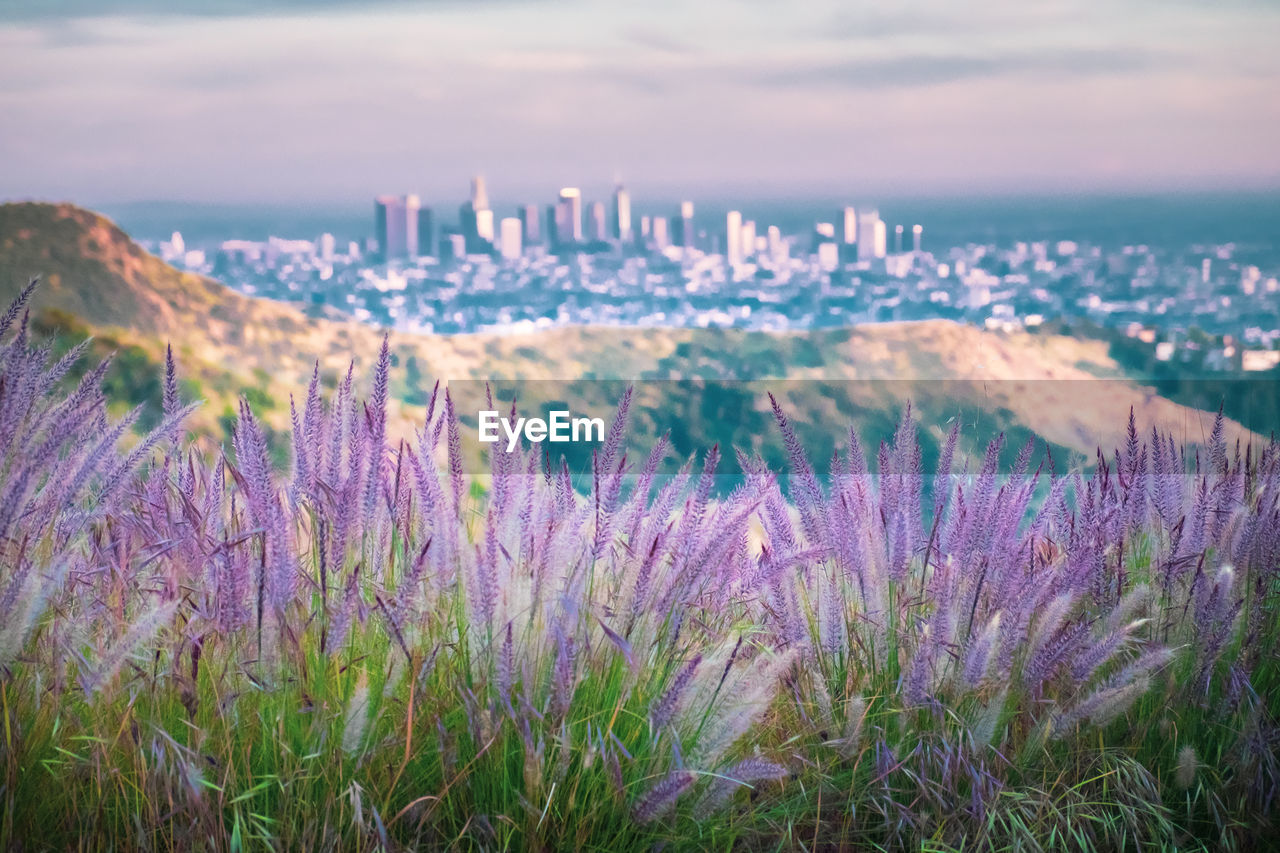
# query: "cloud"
[[322, 99], [657, 40], [906, 71], [55, 10]]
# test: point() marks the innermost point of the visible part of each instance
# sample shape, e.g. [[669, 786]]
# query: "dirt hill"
[[98, 281]]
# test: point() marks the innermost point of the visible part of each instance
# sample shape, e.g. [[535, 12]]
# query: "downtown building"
[[395, 226]]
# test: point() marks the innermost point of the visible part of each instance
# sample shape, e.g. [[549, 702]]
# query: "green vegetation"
[[373, 653]]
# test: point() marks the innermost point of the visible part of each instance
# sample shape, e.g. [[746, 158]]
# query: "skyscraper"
[[563, 219], [531, 225], [871, 235], [476, 219], [620, 222], [390, 226], [599, 222], [733, 238], [917, 233], [569, 211], [427, 241], [897, 239], [479, 195], [850, 226], [661, 235], [412, 205], [686, 224], [777, 248], [484, 224], [511, 234], [828, 256], [467, 226], [457, 244], [381, 210], [553, 225], [748, 238]]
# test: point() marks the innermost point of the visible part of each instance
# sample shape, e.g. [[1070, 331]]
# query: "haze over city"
[[334, 101]]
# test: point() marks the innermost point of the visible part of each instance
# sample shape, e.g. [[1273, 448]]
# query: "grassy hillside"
[[97, 281]]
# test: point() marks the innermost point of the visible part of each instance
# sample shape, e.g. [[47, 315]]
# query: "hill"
[[701, 384]]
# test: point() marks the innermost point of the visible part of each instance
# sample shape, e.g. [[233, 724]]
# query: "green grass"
[[373, 748]]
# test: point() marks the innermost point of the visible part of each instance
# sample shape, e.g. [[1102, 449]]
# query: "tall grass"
[[372, 652]]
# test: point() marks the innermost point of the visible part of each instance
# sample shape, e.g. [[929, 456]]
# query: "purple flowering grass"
[[924, 626]]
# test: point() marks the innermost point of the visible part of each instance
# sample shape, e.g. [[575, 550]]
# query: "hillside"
[[98, 281]]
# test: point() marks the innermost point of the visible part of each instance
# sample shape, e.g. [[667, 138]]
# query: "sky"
[[267, 101]]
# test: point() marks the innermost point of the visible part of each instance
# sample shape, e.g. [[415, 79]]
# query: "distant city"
[[578, 262]]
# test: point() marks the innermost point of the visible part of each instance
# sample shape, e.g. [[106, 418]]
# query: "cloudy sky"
[[274, 101]]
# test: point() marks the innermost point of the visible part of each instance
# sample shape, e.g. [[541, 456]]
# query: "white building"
[[733, 238], [872, 235], [512, 239], [621, 224], [571, 213], [484, 224]]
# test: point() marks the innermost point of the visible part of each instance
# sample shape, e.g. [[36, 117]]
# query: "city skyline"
[[323, 101], [405, 228]]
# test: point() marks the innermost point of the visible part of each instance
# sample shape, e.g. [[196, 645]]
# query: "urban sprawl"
[[597, 264]]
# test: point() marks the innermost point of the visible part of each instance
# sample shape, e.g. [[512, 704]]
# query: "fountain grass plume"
[[368, 650]]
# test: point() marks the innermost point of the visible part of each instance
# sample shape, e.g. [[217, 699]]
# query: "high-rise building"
[[390, 226], [479, 195], [897, 239], [326, 246], [562, 216], [620, 222], [457, 246], [427, 240], [476, 226], [511, 236], [748, 238], [381, 208], [871, 235], [569, 216], [412, 205], [828, 256], [661, 235], [599, 222], [733, 238], [467, 226], [686, 224], [530, 225], [475, 219], [645, 226], [553, 225], [777, 248], [484, 224], [397, 231], [917, 234], [825, 246], [850, 226]]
